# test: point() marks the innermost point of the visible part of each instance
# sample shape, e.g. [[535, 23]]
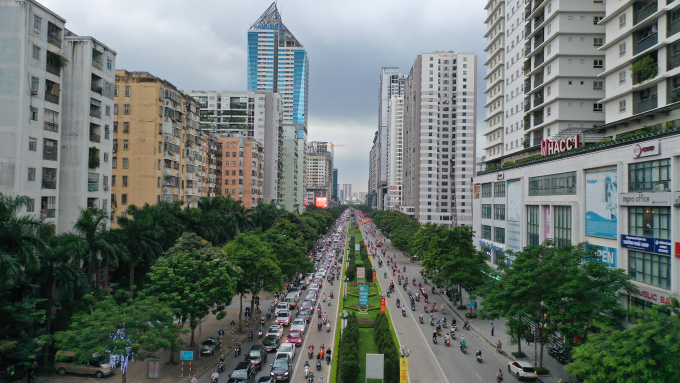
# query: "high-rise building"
[[395, 163], [319, 170], [159, 150], [496, 54], [56, 99], [257, 115], [346, 192], [440, 102], [288, 188], [335, 184], [278, 62], [240, 168], [373, 165]]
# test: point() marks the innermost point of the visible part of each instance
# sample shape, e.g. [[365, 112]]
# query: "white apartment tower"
[[319, 170], [495, 76], [257, 115], [391, 84], [55, 109], [439, 130], [395, 163]]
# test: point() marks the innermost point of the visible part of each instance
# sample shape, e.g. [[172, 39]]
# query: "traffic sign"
[[471, 304], [233, 323], [186, 355], [220, 333]]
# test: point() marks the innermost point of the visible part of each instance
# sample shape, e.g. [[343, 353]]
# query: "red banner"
[[375, 276], [382, 305]]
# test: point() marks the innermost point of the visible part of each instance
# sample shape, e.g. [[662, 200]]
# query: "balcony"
[[96, 112], [527, 86], [49, 184], [527, 106], [54, 40], [51, 126], [646, 42], [538, 100], [538, 120], [52, 98], [538, 60], [673, 23], [538, 41], [537, 140], [50, 153], [673, 59], [92, 187], [97, 63], [527, 50], [95, 137], [646, 104], [538, 21], [97, 89], [643, 9], [48, 213], [53, 69], [538, 81]]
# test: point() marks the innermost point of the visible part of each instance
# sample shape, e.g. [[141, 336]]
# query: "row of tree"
[[192, 260]]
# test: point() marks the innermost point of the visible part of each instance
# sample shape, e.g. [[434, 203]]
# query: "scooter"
[[310, 353], [237, 351], [306, 370], [479, 358], [318, 364], [220, 365], [447, 342], [328, 327], [328, 359], [260, 333], [431, 322], [434, 340], [413, 307], [421, 319], [403, 312], [463, 349]]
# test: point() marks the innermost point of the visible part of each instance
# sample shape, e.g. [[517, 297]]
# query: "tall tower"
[[391, 84], [277, 62]]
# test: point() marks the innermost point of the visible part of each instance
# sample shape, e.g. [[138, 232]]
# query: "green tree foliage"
[[290, 252], [265, 215], [383, 338], [259, 267], [646, 353], [193, 279], [399, 226], [147, 325], [299, 229], [349, 350]]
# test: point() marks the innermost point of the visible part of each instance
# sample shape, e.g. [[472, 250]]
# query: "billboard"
[[321, 202], [606, 255], [514, 211], [601, 203]]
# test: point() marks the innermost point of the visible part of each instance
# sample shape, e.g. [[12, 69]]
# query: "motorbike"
[[417, 297], [403, 312], [431, 321], [328, 327], [479, 358], [318, 364], [319, 325], [447, 342], [413, 307], [426, 309], [463, 349], [499, 378], [306, 370], [388, 293], [328, 358], [220, 365], [398, 304], [405, 287], [250, 336], [421, 319], [310, 352], [213, 380], [434, 340], [329, 301], [237, 351], [434, 308]]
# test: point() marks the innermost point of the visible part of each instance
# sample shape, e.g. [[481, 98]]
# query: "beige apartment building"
[[159, 152], [240, 169]]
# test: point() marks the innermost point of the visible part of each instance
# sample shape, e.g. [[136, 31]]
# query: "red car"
[[295, 337]]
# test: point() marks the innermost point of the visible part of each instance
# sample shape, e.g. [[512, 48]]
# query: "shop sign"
[[677, 249], [607, 255], [645, 199], [500, 176], [654, 297], [491, 245], [646, 149], [560, 146], [477, 191], [650, 245]]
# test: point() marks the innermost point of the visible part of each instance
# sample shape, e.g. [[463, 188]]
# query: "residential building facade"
[[319, 170], [439, 129], [240, 168], [395, 154], [288, 188], [496, 36]]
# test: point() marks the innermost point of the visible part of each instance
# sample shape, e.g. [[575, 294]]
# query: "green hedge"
[[349, 350], [383, 338]]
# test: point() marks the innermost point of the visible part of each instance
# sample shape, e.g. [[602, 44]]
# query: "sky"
[[202, 45]]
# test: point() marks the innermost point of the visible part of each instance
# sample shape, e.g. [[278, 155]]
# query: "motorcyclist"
[[194, 380], [250, 333], [434, 335], [420, 317], [215, 375], [499, 375], [425, 306], [306, 368], [331, 294], [403, 312], [398, 302], [466, 325], [478, 352], [462, 342]]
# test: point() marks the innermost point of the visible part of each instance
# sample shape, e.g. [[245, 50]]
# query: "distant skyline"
[[205, 47]]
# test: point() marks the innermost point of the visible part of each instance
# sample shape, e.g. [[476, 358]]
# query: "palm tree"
[[141, 238], [265, 216], [21, 239], [91, 225]]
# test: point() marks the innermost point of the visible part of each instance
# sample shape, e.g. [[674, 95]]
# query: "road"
[[431, 362], [311, 335]]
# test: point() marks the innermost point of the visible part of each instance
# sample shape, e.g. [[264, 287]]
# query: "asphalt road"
[[431, 362], [311, 335]]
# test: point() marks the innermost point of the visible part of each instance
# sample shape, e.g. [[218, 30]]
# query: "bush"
[[542, 371]]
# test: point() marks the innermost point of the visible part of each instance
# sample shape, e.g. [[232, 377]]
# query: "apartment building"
[[395, 163], [159, 150], [240, 169], [440, 101], [373, 172], [257, 115], [495, 74], [319, 170], [288, 188]]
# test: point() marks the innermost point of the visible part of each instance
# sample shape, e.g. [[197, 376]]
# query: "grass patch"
[[366, 346]]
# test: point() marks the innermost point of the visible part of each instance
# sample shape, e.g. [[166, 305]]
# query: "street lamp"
[[404, 352]]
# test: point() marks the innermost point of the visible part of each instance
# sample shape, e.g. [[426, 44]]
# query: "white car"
[[522, 370], [286, 348], [283, 317], [275, 330], [299, 324], [281, 306]]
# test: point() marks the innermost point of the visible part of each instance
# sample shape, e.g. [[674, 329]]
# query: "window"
[[109, 64], [598, 64], [597, 19], [652, 269], [113, 180], [123, 199], [499, 234], [33, 114], [37, 22], [125, 179], [622, 106], [127, 91], [562, 225], [622, 77], [114, 162], [622, 49], [126, 107], [649, 176], [115, 109], [533, 237], [30, 205], [554, 184], [598, 42], [597, 107], [115, 91], [499, 189], [36, 52], [486, 232], [126, 144], [641, 304], [622, 20], [499, 212], [486, 190], [125, 163], [108, 90], [126, 127], [486, 211], [108, 110], [31, 174], [598, 85], [647, 221], [50, 148]]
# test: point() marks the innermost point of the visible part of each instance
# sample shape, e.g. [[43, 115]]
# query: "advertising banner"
[[363, 295], [513, 236], [478, 190], [650, 245], [321, 202], [546, 222], [514, 211], [361, 273], [601, 203], [375, 277], [607, 255], [403, 370], [663, 199], [382, 305]]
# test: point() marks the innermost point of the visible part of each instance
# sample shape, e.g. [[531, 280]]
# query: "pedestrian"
[[492, 328]]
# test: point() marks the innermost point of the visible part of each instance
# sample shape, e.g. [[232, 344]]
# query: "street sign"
[[247, 313], [220, 333], [403, 370], [363, 295], [233, 323], [361, 273], [186, 355], [382, 305], [471, 304]]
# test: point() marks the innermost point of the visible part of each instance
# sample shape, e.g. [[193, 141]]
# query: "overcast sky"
[[202, 45]]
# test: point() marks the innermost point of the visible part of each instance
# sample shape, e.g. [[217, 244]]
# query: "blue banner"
[[363, 295], [601, 203], [607, 255], [651, 245]]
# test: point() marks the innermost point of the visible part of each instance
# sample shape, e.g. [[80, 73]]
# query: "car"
[[314, 291], [257, 356], [244, 372], [314, 286], [294, 289], [299, 324], [318, 281], [306, 315], [275, 330], [210, 345], [282, 369], [280, 306], [287, 349], [271, 343], [283, 317], [307, 305], [266, 379], [295, 337], [65, 362], [522, 370]]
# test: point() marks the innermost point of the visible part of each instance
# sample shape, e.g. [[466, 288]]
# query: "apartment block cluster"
[[583, 135], [77, 133], [423, 154]]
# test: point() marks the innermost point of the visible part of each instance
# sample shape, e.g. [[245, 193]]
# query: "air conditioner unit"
[[34, 92], [106, 188]]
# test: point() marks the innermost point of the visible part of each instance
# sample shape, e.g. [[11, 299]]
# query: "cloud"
[[202, 45]]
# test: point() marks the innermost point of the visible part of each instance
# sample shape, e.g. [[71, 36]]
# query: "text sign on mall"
[[560, 146]]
